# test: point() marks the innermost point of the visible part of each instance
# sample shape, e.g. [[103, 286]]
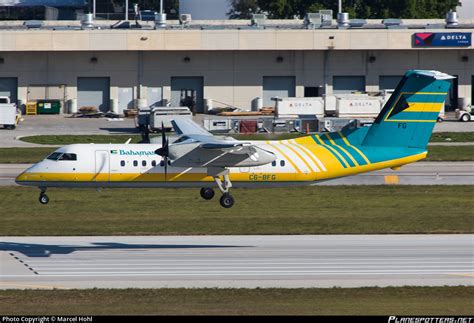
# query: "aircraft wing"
[[197, 147], [185, 126]]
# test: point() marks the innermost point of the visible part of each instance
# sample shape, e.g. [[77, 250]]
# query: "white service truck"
[[9, 114]]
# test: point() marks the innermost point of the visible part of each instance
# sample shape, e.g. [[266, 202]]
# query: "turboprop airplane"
[[398, 136]]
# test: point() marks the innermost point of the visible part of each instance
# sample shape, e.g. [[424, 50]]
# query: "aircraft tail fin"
[[409, 116]]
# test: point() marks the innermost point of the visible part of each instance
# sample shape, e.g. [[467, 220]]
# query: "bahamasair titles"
[[398, 136]]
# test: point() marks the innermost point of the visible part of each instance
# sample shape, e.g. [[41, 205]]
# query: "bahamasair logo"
[[130, 152]]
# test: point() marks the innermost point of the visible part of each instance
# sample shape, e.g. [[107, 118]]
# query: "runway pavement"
[[236, 261], [421, 173]]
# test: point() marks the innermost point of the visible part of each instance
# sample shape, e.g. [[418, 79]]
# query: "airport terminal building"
[[230, 62]]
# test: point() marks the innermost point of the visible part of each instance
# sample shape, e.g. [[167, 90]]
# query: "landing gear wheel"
[[43, 198], [207, 193], [227, 200]]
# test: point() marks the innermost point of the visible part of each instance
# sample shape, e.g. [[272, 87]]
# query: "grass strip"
[[295, 210], [443, 301]]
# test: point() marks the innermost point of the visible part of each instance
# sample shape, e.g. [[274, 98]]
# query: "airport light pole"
[[340, 6], [93, 9]]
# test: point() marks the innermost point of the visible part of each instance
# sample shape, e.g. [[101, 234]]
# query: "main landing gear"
[[43, 198], [226, 200]]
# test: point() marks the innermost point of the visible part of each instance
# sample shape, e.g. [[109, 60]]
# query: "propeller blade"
[[166, 167], [163, 151]]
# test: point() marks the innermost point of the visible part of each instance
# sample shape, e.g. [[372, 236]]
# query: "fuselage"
[[303, 160]]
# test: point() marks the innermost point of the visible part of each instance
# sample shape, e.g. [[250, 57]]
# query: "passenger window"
[[153, 163], [135, 163], [162, 163], [68, 156], [143, 162], [274, 163], [122, 163], [282, 163]]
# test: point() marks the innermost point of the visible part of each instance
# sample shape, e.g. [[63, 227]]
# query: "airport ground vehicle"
[[466, 114], [9, 113]]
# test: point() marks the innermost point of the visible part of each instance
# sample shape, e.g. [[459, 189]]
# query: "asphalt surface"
[[236, 261], [421, 173]]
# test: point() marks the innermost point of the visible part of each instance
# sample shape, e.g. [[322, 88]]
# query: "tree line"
[[364, 9]]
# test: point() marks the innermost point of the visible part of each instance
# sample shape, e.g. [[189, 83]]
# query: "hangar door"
[[389, 82], [282, 86], [9, 87], [348, 84], [154, 96], [93, 91], [182, 87], [125, 98], [47, 92]]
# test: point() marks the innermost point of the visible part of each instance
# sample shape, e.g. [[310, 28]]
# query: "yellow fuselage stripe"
[[341, 148], [334, 151], [354, 147]]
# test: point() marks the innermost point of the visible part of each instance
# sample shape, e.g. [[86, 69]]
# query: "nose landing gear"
[[43, 198]]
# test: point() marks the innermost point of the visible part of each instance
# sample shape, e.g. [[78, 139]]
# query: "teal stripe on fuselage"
[[354, 153], [360, 160], [382, 154], [328, 149], [336, 148], [344, 155]]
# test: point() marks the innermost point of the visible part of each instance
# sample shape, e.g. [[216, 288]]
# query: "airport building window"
[[122, 163], [282, 163], [135, 163], [143, 162]]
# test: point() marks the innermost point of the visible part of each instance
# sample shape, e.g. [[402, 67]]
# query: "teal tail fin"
[[409, 116]]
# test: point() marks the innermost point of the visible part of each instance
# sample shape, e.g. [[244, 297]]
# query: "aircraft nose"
[[22, 177]]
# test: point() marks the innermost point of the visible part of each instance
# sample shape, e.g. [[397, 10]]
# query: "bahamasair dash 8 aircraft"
[[398, 136]]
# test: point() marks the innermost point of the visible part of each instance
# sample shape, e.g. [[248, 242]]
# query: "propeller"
[[163, 151]]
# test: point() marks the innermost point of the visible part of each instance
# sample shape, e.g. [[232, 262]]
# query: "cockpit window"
[[54, 156], [68, 156]]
